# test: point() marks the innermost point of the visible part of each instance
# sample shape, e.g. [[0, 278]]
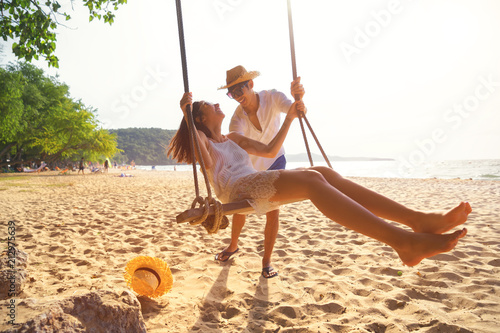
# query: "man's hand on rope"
[[296, 110], [297, 89]]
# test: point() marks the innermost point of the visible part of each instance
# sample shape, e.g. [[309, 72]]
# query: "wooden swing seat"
[[237, 207]]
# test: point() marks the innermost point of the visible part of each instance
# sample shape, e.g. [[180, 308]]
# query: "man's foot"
[[438, 223], [225, 255], [269, 272], [423, 246]]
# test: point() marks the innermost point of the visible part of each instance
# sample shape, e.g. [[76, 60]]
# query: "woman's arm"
[[270, 150], [187, 99]]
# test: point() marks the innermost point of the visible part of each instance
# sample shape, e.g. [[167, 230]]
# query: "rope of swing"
[[302, 116], [217, 221]]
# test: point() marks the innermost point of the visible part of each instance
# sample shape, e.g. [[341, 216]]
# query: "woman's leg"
[[389, 209], [411, 247]]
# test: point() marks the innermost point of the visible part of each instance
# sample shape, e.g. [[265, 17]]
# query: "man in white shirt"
[[258, 117]]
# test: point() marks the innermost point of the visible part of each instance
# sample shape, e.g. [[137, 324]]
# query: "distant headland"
[[302, 157]]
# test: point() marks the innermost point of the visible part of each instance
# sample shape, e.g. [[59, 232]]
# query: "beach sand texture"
[[80, 232]]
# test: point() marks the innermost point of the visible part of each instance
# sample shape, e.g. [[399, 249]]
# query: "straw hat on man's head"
[[237, 75]]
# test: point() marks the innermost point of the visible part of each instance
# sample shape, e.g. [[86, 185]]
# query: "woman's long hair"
[[179, 147]]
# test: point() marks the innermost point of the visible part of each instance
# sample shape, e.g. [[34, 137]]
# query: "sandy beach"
[[80, 232]]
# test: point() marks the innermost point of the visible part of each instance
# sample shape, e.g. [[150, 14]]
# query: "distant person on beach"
[[106, 166], [81, 167], [233, 177], [257, 117]]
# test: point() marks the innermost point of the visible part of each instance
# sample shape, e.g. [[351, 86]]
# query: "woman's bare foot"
[[425, 245], [438, 223]]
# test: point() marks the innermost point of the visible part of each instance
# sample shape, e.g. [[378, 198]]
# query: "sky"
[[416, 81]]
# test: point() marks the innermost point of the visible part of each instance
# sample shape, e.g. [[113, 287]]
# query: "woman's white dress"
[[233, 177]]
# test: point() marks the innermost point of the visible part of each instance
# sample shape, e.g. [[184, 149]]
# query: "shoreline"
[[463, 169], [80, 232]]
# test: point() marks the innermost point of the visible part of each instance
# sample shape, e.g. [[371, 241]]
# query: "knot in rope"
[[212, 223], [204, 204]]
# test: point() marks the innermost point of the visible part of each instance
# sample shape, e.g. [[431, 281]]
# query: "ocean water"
[[466, 169]]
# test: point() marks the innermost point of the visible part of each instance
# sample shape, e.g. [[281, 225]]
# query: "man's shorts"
[[279, 164]]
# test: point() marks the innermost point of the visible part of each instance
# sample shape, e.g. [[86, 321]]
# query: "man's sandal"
[[269, 272], [225, 255]]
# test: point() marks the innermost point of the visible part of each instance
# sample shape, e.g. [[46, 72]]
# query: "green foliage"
[[144, 146], [39, 121], [34, 23], [11, 104]]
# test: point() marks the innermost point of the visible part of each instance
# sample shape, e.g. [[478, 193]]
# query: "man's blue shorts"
[[279, 164]]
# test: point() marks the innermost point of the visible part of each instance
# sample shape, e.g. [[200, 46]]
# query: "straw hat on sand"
[[148, 276]]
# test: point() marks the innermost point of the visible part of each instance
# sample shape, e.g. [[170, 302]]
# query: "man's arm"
[[270, 150]]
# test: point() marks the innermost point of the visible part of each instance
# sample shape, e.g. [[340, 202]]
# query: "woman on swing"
[[233, 178]]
